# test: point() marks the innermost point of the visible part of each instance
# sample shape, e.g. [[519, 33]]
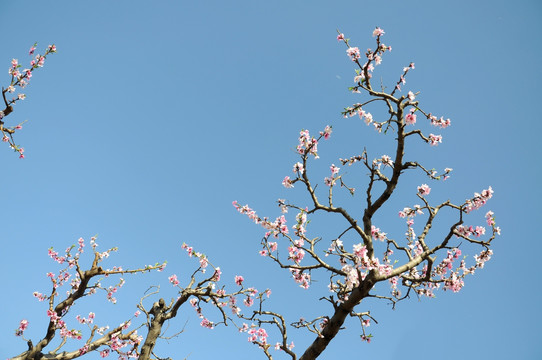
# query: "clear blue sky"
[[152, 118]]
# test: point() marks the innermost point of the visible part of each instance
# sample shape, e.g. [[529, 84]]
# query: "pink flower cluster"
[[302, 278], [88, 320], [256, 334], [298, 168], [373, 57], [377, 234], [411, 212], [173, 280], [307, 144], [361, 266], [21, 78], [326, 133], [23, 325], [329, 181], [483, 258], [469, 231], [434, 140], [353, 53], [439, 122], [295, 252], [204, 321], [116, 345], [383, 160], [207, 324], [274, 228], [447, 263], [478, 200]]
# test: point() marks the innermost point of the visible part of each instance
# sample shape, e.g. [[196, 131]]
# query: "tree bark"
[[337, 320]]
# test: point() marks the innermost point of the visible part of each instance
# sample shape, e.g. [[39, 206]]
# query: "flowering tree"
[[362, 255], [353, 261]]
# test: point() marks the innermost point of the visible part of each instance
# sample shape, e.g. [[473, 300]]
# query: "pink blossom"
[[479, 231], [360, 250], [453, 283], [287, 183], [410, 119], [203, 262], [173, 280], [386, 160], [424, 189], [354, 53], [377, 234], [298, 167], [340, 37], [368, 118], [39, 296], [327, 132], [23, 325], [239, 280], [378, 32], [248, 301], [303, 279], [216, 275], [490, 219], [206, 323], [435, 139]]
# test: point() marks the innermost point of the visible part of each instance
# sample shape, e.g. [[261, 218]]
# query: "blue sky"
[[153, 118]]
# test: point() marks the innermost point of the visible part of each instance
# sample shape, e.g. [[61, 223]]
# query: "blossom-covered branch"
[[201, 289], [19, 79]]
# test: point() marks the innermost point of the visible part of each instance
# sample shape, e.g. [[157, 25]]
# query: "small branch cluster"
[[19, 79], [202, 288], [81, 283]]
